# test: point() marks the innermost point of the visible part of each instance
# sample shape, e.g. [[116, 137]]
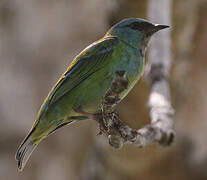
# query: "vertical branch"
[[160, 59], [159, 11]]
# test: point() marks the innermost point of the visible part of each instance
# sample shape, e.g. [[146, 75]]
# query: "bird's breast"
[[133, 63]]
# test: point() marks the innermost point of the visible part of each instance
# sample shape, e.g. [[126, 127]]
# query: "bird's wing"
[[85, 64]]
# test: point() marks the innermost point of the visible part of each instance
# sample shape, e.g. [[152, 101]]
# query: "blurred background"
[[38, 40]]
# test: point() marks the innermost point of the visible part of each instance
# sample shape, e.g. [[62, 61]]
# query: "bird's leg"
[[89, 115], [97, 117]]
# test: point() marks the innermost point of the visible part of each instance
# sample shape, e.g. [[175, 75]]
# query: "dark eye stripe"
[[141, 26], [134, 25]]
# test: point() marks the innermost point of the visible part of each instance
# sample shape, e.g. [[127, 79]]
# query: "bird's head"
[[135, 31]]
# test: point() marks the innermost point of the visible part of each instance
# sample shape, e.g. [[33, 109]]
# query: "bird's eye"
[[134, 26]]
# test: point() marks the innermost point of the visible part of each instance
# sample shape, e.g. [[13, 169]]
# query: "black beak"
[[158, 27]]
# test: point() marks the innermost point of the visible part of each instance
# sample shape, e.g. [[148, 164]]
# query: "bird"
[[78, 93]]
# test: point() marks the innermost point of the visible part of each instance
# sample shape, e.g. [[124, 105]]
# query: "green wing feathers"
[[89, 61], [86, 63]]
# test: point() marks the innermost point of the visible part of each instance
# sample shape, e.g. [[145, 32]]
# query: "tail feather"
[[28, 145], [25, 150]]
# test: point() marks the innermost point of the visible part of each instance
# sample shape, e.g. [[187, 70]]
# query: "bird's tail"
[[25, 150]]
